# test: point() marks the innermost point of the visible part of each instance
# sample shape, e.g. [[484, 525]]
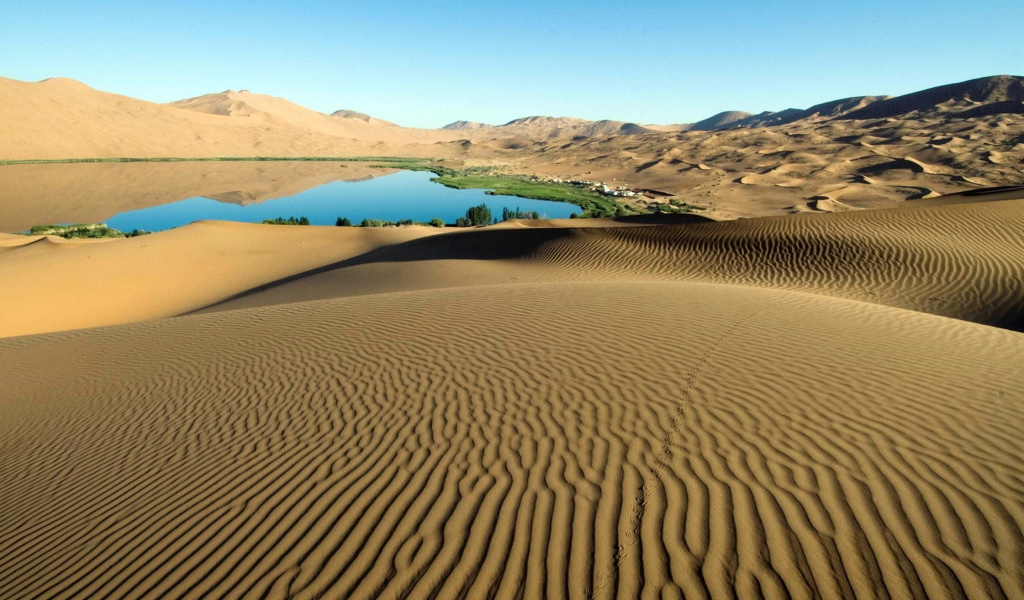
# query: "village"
[[602, 188]]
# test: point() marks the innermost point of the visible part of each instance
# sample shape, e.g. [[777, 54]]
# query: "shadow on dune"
[[954, 261], [483, 244], [480, 244], [664, 219]]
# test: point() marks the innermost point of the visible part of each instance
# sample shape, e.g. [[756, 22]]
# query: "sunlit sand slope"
[[565, 440], [52, 284]]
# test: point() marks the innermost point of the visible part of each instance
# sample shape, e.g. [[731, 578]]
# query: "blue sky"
[[427, 63]]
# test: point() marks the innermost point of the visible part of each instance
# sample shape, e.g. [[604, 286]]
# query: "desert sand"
[[785, 407], [958, 257], [62, 118], [824, 401], [846, 154]]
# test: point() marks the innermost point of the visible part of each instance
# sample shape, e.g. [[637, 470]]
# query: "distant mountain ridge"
[[465, 126], [244, 103], [832, 108], [541, 127], [964, 95], [1000, 94], [63, 118]]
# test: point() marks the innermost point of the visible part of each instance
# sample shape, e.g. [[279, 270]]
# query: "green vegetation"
[[85, 230], [508, 214], [343, 222], [288, 221], [674, 206], [406, 164], [475, 216], [404, 222], [523, 186]]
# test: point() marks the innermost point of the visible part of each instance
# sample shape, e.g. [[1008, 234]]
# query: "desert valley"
[[773, 355]]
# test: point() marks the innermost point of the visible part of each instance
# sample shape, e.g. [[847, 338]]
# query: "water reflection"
[[158, 196]]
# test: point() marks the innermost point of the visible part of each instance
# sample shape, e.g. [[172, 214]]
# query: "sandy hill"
[[61, 118], [972, 234], [841, 107], [833, 108], [465, 125], [956, 97], [813, 159], [545, 128], [671, 128], [280, 112], [720, 120], [351, 114], [737, 119], [996, 95], [818, 162], [606, 127], [541, 127], [712, 410]]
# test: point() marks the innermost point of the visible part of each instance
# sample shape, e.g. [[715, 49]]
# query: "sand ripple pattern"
[[527, 441], [964, 261]]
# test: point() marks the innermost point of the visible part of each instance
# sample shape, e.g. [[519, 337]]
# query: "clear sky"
[[426, 63]]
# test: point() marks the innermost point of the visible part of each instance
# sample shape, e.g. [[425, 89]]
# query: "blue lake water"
[[395, 197]]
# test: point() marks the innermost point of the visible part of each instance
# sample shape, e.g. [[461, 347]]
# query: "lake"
[[159, 196]]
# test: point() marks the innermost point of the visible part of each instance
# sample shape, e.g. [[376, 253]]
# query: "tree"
[[343, 222], [437, 222], [475, 215]]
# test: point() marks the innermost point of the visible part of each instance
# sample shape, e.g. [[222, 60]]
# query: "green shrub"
[[343, 222], [508, 214], [84, 230], [288, 221], [435, 222]]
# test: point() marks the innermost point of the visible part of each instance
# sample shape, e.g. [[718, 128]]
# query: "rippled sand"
[[766, 408]]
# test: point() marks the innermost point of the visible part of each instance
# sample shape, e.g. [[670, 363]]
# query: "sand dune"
[[545, 128], [62, 118], [52, 284], [541, 440], [58, 119], [710, 410], [898, 156], [953, 97], [958, 258], [276, 111], [822, 405]]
